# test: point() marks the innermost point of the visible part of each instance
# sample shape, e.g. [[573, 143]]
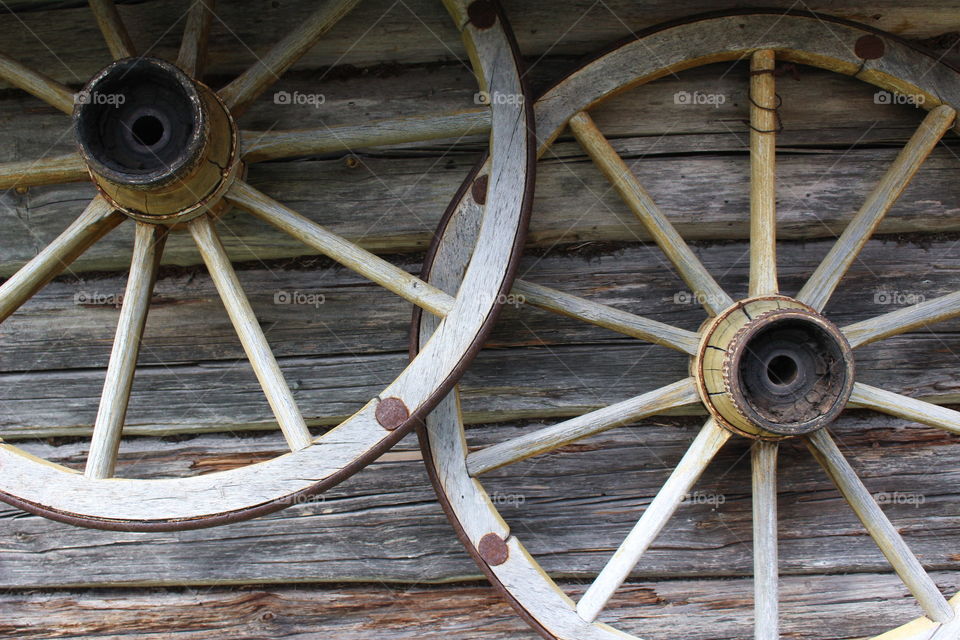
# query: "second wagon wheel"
[[166, 156], [769, 366]]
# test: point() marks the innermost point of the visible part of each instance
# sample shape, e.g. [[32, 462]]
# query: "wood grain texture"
[[764, 125], [52, 170], [112, 412], [192, 56], [36, 83], [114, 32]]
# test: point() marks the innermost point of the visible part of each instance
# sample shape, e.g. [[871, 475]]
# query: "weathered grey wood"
[[417, 612], [766, 540], [114, 32], [192, 56], [891, 543], [189, 331], [112, 411], [401, 37], [334, 195], [384, 524]]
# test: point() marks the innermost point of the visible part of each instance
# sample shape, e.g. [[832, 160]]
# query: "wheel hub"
[[771, 368], [159, 145]]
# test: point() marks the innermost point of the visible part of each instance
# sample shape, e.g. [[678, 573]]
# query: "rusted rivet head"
[[493, 549], [391, 413], [869, 47], [479, 189], [482, 14]]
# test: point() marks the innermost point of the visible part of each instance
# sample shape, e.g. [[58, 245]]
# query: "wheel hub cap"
[[159, 145], [771, 368]]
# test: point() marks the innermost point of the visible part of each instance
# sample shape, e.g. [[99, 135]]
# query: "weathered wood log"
[[361, 531], [843, 605]]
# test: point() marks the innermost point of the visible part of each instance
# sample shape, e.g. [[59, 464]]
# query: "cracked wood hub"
[[772, 367], [160, 146]]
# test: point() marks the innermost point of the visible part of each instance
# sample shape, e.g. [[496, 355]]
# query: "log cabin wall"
[[375, 556]]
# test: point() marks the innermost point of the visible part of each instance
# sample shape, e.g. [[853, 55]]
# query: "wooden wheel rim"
[[794, 37], [63, 494]]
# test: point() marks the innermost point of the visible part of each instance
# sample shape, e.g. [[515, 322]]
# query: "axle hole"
[[782, 370], [148, 130]]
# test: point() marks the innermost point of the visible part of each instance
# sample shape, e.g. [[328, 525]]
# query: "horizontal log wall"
[[376, 556]]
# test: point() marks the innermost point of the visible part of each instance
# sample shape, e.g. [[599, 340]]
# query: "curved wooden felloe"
[[762, 37], [465, 313]]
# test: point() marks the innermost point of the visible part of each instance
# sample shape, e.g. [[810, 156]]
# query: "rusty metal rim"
[[426, 448], [416, 416]]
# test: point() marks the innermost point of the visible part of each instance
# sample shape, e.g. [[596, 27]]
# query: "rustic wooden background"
[[375, 557]]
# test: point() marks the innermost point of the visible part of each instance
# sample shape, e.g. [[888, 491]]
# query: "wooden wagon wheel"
[[164, 151], [767, 367]]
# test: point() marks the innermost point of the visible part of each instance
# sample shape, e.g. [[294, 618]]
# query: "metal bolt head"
[[482, 14], [392, 413], [869, 47], [479, 189], [493, 549]]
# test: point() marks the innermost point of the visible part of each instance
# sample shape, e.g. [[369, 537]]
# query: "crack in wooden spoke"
[[766, 580], [903, 320], [114, 32], [713, 298], [549, 438], [343, 251], [821, 285], [251, 335], [37, 84], [108, 428], [196, 33], [271, 145], [95, 222], [763, 174], [879, 527], [706, 445], [251, 83], [895, 404], [69, 167], [607, 317]]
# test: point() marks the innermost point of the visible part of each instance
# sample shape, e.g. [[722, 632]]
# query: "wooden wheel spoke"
[[37, 84], [251, 83], [95, 222], [763, 174], [251, 335], [555, 436], [193, 46], [607, 317], [901, 406], [147, 251], [689, 267], [343, 251], [69, 167], [903, 320], [766, 578], [114, 32], [879, 527], [271, 145], [706, 445], [821, 285]]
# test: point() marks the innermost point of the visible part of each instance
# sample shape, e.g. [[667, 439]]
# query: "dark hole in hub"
[[792, 376], [139, 121], [148, 130], [782, 370]]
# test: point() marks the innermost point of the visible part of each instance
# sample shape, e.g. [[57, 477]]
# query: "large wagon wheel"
[[163, 150], [767, 367]]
